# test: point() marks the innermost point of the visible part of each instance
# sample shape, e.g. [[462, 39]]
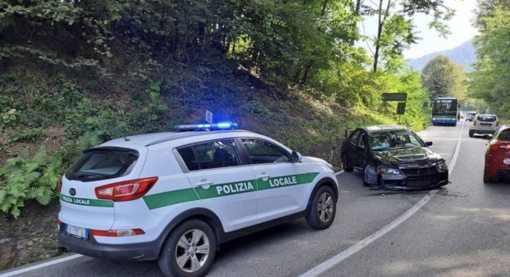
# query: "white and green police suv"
[[175, 197]]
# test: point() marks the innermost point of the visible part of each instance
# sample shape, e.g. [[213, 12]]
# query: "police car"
[[176, 196]]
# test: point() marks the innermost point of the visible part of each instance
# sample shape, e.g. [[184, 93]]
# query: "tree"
[[486, 9], [491, 79], [442, 77], [396, 31]]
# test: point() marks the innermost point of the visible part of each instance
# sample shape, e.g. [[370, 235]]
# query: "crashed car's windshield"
[[396, 139]]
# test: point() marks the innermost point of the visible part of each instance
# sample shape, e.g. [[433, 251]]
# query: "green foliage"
[[27, 178], [442, 78], [491, 79], [35, 134]]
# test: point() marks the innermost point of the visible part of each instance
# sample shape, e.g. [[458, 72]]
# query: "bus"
[[445, 111]]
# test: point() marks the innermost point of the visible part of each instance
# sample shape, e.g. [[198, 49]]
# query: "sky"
[[460, 27]]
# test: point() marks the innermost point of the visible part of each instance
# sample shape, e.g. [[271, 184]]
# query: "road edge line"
[[38, 266], [328, 264]]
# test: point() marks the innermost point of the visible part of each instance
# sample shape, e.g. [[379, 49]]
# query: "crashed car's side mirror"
[[429, 143]]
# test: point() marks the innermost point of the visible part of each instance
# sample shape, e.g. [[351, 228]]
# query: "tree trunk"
[[298, 73], [358, 7], [324, 8], [201, 33], [305, 76], [379, 31]]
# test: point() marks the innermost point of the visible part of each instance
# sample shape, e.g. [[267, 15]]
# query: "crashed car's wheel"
[[189, 251], [347, 167], [323, 209]]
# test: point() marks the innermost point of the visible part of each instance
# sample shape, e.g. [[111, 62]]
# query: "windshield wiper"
[[89, 174]]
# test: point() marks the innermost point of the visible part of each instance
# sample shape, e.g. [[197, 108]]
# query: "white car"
[[484, 124], [175, 197]]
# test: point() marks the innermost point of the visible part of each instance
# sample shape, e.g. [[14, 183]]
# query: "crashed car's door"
[[361, 152], [350, 148]]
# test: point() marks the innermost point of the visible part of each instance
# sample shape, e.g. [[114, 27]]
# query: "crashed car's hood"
[[419, 155]]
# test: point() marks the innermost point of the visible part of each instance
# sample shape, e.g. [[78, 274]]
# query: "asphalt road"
[[462, 231]]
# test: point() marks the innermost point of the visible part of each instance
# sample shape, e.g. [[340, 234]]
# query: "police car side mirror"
[[296, 157]]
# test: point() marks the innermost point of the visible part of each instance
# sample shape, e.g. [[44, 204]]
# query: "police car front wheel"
[[189, 251], [323, 208]]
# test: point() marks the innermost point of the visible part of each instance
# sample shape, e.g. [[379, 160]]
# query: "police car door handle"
[[203, 183], [264, 176]]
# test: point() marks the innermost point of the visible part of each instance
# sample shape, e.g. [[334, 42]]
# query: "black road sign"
[[395, 96], [401, 109]]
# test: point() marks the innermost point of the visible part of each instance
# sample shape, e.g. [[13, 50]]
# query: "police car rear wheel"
[[189, 251], [323, 209]]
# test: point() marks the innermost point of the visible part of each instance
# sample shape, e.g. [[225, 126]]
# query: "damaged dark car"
[[393, 157]]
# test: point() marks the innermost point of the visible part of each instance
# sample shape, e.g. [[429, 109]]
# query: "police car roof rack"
[[207, 127]]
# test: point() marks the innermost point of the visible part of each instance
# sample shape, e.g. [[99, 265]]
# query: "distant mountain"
[[464, 55]]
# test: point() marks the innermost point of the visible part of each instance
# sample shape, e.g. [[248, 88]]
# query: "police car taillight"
[[60, 185], [118, 233], [127, 190]]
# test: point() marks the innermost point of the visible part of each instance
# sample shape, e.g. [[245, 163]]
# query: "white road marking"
[[38, 266], [328, 264], [339, 172]]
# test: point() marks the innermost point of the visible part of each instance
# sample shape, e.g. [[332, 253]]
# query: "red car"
[[497, 157]]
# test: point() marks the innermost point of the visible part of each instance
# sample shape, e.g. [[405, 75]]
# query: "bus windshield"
[[445, 107]]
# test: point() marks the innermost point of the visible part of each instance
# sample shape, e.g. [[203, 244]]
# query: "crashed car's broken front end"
[[401, 171]]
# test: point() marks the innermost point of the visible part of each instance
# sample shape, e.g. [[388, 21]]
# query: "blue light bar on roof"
[[207, 127], [224, 125]]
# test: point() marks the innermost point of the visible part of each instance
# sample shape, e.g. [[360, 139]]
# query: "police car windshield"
[[394, 139], [100, 164]]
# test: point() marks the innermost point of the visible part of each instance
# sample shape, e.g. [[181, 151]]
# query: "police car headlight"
[[384, 170]]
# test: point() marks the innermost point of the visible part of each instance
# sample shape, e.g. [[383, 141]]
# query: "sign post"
[[208, 116], [401, 108]]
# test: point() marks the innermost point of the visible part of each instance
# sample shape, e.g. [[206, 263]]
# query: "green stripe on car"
[[86, 202], [164, 199], [168, 198]]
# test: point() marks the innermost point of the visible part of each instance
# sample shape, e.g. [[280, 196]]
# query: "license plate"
[[419, 183], [506, 161], [77, 232]]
